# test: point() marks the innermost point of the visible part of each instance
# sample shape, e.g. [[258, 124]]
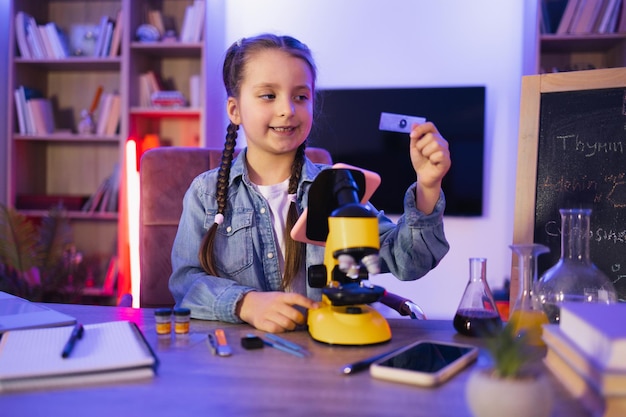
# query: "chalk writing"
[[611, 190], [561, 184], [600, 234], [581, 162], [617, 194], [589, 149], [610, 235]]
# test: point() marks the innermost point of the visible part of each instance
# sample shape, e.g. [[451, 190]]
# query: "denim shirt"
[[246, 252]]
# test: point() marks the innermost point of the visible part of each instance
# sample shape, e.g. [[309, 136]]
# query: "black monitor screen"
[[347, 125]]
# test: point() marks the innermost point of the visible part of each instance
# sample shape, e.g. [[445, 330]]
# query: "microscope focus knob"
[[317, 276]]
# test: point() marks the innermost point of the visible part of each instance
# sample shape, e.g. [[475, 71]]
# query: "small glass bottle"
[[163, 320], [574, 277], [527, 315], [181, 320], [477, 314]]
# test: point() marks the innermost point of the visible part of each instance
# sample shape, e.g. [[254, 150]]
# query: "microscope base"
[[343, 326]]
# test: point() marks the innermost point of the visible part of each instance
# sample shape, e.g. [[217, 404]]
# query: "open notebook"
[[111, 352], [18, 313]]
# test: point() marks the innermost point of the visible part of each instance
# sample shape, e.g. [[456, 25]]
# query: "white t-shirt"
[[278, 199]]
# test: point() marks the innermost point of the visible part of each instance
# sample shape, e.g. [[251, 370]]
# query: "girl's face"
[[275, 103]]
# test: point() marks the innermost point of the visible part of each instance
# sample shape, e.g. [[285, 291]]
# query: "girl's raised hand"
[[429, 154]]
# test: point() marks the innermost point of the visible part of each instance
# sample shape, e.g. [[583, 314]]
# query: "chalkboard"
[[572, 154]]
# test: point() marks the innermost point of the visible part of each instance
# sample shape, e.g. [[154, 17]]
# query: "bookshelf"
[[65, 165], [47, 167], [174, 64], [570, 49]]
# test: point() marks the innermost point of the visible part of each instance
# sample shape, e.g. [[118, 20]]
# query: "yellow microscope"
[[350, 230]]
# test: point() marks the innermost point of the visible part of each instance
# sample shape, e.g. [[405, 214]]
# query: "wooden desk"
[[265, 382]]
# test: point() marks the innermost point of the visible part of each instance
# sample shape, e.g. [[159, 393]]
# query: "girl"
[[233, 258]]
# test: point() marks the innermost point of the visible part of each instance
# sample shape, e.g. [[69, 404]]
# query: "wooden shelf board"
[[74, 63], [584, 43], [168, 49], [74, 215], [69, 137], [165, 112]]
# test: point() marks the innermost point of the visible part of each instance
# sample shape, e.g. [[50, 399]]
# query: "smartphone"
[[424, 363]]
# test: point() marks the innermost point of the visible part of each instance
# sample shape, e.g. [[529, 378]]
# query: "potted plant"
[[513, 385], [36, 258]]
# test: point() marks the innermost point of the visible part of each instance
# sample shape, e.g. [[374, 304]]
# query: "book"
[[95, 200], [113, 118], [107, 39], [106, 102], [34, 39], [106, 195], [116, 39], [598, 405], [101, 37], [110, 352], [568, 15], [113, 201], [25, 94], [144, 90], [197, 23], [40, 109], [195, 91], [186, 29], [57, 41], [551, 14], [21, 22], [606, 382], [47, 42], [154, 82], [607, 21], [621, 25], [19, 107], [597, 329], [20, 313], [588, 14]]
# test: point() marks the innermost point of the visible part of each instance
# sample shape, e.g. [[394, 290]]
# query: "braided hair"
[[237, 56]]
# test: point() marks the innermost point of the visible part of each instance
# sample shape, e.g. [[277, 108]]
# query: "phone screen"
[[426, 357]]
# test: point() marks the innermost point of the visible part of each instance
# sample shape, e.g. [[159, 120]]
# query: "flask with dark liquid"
[[477, 314]]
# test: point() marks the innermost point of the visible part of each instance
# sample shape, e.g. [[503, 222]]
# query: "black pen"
[[77, 333], [353, 368]]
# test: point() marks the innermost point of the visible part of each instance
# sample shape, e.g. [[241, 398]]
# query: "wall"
[[421, 43]]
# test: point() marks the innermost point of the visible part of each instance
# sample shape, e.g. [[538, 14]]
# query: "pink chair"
[[165, 175]]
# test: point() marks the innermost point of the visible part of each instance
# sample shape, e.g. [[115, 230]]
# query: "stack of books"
[[48, 41], [193, 22], [34, 112], [587, 354]]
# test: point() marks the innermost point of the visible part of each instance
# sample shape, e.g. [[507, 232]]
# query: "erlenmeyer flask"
[[527, 314], [574, 277], [477, 314]]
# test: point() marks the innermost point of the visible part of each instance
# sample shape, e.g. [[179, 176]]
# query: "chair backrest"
[[165, 175]]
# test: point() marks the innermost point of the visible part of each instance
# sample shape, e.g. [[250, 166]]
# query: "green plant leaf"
[[18, 241], [55, 235], [509, 352]]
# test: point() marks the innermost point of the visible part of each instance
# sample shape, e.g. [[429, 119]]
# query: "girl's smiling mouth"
[[285, 129]]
